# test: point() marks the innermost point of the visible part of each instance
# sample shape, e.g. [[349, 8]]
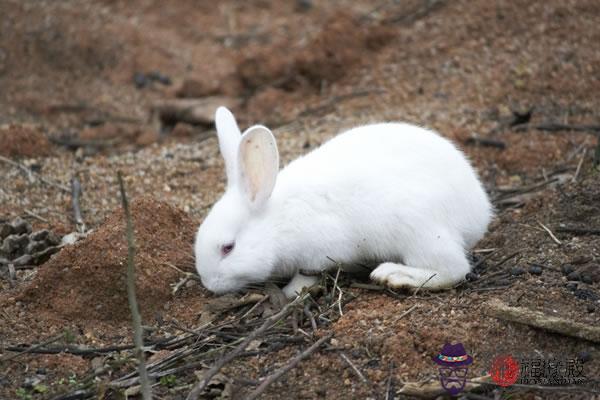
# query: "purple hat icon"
[[453, 355]]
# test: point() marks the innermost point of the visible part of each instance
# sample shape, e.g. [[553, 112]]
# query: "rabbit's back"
[[388, 181]]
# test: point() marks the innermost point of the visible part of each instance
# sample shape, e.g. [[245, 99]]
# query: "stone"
[[14, 243], [19, 226], [39, 235]]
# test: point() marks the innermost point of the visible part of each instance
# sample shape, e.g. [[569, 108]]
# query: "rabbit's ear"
[[258, 161], [229, 139]]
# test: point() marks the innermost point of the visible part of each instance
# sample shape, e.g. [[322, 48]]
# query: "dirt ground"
[[514, 84]]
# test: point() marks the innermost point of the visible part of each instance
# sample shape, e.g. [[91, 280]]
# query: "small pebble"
[[190, 283], [53, 239], [140, 80], [585, 294], [571, 286], [516, 271], [34, 247], [41, 371], [42, 256], [567, 269], [590, 308], [503, 282], [25, 259], [471, 276], [373, 363], [303, 5], [574, 276], [159, 77], [585, 356], [19, 226], [35, 167], [13, 243], [587, 279], [5, 230], [39, 235], [30, 382], [535, 270]]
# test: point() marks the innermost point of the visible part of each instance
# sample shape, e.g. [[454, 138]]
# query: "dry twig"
[[354, 368], [199, 387], [554, 238], [75, 195], [34, 215], [31, 349], [579, 164], [484, 380], [405, 313], [476, 140], [432, 387], [556, 127], [32, 174], [389, 390], [423, 284], [281, 371], [578, 231], [133, 306], [427, 7]]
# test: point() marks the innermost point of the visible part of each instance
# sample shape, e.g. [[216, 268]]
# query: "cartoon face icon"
[[453, 363]]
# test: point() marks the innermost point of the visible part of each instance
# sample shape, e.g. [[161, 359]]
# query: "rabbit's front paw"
[[298, 282]]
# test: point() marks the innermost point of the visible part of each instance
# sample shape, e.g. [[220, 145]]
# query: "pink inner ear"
[[258, 164]]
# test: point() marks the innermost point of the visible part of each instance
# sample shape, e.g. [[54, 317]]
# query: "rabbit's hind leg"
[[431, 268]]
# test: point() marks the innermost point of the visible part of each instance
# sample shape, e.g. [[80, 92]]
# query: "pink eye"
[[227, 248]]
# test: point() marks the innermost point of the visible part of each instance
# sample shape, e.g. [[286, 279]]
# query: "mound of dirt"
[[87, 281], [23, 141], [340, 46]]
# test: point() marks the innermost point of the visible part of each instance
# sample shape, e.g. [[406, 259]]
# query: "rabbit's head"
[[233, 244]]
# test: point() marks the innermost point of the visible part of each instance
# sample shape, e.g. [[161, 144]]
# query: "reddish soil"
[[23, 141], [92, 270], [78, 83]]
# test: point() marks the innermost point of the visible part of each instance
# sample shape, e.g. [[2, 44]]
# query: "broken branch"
[[75, 195], [31, 349], [540, 320]]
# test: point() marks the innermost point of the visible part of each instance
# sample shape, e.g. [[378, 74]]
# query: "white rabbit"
[[390, 192]]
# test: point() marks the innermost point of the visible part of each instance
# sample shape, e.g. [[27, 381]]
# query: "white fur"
[[392, 193]]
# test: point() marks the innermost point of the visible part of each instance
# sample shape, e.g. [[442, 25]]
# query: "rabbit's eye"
[[227, 248]]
